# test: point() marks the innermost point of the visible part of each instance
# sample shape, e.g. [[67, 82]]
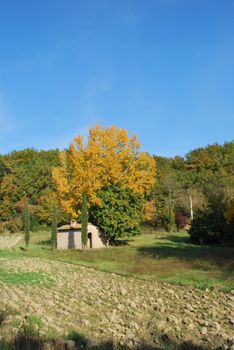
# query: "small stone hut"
[[69, 237]]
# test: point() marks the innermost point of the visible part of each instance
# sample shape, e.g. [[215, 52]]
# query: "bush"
[[119, 215], [15, 224], [211, 228]]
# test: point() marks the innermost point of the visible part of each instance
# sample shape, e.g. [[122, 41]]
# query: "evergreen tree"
[[54, 227], [26, 224], [84, 220]]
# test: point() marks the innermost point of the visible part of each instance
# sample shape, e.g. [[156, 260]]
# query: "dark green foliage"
[[84, 220], [119, 214], [36, 224], [206, 228], [210, 226], [26, 224], [54, 227]]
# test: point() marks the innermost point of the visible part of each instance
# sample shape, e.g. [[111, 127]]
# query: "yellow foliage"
[[230, 211], [108, 157], [149, 210]]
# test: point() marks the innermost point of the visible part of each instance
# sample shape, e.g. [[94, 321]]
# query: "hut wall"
[[70, 239]]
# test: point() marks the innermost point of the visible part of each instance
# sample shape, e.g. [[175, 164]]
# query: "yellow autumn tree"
[[109, 157]]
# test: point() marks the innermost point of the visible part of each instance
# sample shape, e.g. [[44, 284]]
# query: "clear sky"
[[163, 69]]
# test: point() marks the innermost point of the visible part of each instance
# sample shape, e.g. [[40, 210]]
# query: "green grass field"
[[166, 257]]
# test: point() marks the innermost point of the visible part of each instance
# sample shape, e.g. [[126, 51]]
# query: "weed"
[[28, 337], [30, 278], [35, 320], [15, 323]]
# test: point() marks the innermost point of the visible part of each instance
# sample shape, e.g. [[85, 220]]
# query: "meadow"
[[117, 297], [159, 256]]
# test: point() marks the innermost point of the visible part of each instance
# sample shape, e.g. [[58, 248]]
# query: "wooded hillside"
[[204, 177]]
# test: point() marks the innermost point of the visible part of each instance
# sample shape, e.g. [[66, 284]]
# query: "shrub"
[[15, 224], [211, 228]]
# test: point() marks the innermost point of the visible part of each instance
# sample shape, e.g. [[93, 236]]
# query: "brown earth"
[[105, 306]]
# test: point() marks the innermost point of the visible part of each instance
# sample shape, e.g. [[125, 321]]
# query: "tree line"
[[124, 187]]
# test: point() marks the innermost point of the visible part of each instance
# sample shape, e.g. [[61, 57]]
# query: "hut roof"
[[70, 227]]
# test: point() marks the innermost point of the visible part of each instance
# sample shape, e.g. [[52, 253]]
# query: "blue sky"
[[163, 69]]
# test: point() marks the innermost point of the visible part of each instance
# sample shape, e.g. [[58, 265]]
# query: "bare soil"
[[106, 306]]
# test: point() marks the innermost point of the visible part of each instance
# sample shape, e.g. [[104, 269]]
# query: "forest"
[[199, 186]]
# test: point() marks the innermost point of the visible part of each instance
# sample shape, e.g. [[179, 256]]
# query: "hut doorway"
[[90, 240]]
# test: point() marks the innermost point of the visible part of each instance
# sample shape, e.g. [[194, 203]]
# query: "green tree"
[[8, 197], [210, 225], [84, 220], [23, 174], [119, 214], [26, 224], [54, 227]]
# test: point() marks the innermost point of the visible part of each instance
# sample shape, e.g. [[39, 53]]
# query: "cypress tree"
[[54, 227], [84, 220], [26, 224]]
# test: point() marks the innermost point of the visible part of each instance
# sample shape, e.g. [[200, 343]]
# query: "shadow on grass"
[[35, 342], [176, 239], [181, 249], [23, 249], [119, 242], [44, 243]]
